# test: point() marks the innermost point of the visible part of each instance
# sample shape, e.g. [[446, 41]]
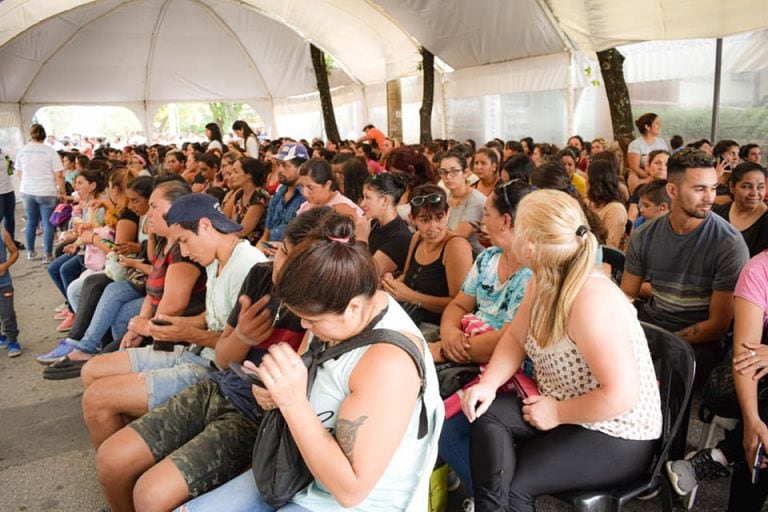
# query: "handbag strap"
[[373, 336]]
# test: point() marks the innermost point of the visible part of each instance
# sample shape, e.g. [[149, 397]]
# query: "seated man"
[[288, 197], [204, 435], [692, 260], [129, 383]]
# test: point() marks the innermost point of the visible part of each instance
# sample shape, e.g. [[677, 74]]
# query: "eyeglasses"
[[449, 172], [429, 198]]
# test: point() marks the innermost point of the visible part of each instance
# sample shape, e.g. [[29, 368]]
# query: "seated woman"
[[438, 259], [249, 203], [319, 187], [569, 160], [599, 399], [363, 450], [386, 234], [486, 168], [466, 202], [489, 298], [604, 198], [87, 213], [350, 174], [747, 212]]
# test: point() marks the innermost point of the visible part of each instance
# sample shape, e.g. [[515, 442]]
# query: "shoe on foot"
[[19, 245], [61, 307], [66, 324], [64, 369], [57, 354], [46, 259], [31, 255], [61, 315], [14, 349], [468, 505], [686, 474], [3, 342], [453, 481]]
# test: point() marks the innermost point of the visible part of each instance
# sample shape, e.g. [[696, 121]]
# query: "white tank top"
[[562, 373], [397, 485]]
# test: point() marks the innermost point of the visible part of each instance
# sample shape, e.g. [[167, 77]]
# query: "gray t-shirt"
[[684, 270], [471, 209]]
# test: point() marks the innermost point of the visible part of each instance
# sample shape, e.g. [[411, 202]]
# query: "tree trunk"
[[612, 68], [326, 102], [428, 98]]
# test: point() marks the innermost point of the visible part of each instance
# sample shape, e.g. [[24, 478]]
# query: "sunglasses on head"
[[429, 198]]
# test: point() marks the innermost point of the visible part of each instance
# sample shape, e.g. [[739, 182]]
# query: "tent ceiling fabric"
[[596, 25], [151, 51]]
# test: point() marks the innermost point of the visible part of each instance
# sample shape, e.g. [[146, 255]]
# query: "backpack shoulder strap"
[[373, 336]]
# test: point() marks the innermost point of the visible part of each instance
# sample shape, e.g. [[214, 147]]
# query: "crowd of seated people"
[[180, 262]]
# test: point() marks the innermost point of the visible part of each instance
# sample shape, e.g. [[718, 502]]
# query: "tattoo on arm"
[[691, 330], [346, 435]]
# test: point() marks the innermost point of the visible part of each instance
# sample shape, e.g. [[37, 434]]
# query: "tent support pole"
[[716, 93]]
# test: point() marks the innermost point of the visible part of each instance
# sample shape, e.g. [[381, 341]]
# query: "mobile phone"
[[161, 322], [270, 245], [247, 375], [757, 462], [476, 225], [109, 243]]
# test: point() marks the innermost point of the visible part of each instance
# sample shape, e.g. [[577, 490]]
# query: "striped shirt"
[[685, 269]]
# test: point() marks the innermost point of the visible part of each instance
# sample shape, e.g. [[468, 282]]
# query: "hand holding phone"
[[161, 322], [759, 453], [246, 374]]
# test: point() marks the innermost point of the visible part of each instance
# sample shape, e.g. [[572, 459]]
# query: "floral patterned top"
[[259, 197]]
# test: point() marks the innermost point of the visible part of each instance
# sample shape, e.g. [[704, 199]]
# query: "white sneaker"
[[61, 307], [31, 255]]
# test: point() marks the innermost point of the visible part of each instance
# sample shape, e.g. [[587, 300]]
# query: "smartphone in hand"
[[757, 463], [161, 322], [247, 375]]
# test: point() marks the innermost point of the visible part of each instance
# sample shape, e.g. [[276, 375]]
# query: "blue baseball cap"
[[195, 206], [291, 151]]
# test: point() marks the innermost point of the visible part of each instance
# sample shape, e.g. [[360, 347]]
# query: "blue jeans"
[[65, 269], [39, 209], [238, 495], [117, 297], [453, 448]]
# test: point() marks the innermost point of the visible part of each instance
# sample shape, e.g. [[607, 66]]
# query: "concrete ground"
[[46, 461]]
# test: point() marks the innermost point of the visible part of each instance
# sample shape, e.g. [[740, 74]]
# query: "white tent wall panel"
[[12, 133]]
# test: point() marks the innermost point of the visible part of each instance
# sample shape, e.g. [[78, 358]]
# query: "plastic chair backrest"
[[675, 365], [615, 258]]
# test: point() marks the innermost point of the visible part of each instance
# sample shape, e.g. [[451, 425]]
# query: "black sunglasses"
[[429, 198]]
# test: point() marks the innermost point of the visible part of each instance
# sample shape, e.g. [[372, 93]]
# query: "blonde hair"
[[563, 255]]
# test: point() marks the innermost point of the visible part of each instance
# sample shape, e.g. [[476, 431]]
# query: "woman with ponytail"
[[598, 401], [385, 232]]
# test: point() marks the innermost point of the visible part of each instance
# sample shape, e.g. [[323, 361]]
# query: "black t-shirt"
[[392, 239], [756, 235], [287, 329]]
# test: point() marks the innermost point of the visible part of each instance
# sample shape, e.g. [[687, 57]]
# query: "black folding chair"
[[674, 363], [615, 258]]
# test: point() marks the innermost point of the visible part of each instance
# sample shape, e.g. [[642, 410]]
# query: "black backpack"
[[278, 467]]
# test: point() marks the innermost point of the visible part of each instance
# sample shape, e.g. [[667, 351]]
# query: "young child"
[[9, 253], [654, 200]]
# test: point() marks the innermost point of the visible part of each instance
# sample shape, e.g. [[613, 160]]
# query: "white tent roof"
[[80, 51], [143, 53]]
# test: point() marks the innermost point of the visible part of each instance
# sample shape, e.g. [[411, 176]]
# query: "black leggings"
[[512, 462]]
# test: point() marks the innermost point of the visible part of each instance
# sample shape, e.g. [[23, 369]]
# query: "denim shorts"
[[167, 373]]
